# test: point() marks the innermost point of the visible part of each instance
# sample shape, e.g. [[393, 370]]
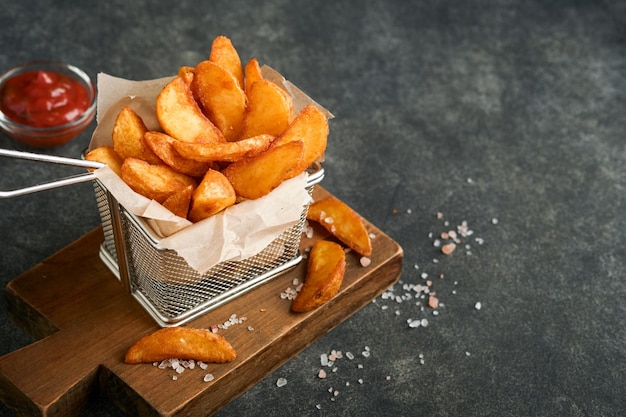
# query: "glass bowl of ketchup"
[[45, 104]]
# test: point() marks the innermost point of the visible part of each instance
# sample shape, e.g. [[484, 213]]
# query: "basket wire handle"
[[61, 182]]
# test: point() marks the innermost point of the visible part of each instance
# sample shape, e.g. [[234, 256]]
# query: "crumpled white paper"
[[239, 232]]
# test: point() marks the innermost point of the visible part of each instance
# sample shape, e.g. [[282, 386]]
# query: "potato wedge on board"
[[214, 194], [178, 203], [221, 98], [311, 127], [106, 155], [256, 176], [156, 182], [342, 222], [181, 343], [224, 54], [253, 73], [226, 152], [269, 111], [325, 270], [181, 117], [127, 136], [162, 145]]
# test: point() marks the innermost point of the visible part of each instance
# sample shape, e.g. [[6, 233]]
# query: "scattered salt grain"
[[424, 322], [321, 374], [349, 355], [281, 382], [208, 378], [388, 378], [365, 261], [360, 380], [478, 305], [448, 248], [174, 377], [494, 221]]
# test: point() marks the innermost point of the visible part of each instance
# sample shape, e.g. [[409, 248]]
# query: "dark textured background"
[[480, 110]]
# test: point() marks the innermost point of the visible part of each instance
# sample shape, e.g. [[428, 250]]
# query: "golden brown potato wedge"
[[224, 54], [186, 73], [128, 131], [214, 194], [269, 110], [106, 155], [156, 182], [325, 270], [253, 73], [311, 127], [181, 117], [181, 343], [256, 176], [221, 98], [342, 222], [226, 152], [163, 146], [178, 203]]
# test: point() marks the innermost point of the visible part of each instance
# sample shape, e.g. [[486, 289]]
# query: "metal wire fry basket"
[[165, 285]]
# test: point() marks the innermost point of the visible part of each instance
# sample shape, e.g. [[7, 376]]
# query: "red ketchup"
[[43, 99]]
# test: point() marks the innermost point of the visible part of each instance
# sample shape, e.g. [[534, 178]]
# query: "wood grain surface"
[[85, 322]]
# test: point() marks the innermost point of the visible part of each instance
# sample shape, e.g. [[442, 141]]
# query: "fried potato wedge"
[[342, 222], [256, 176], [269, 110], [325, 271], [224, 54], [252, 72], [178, 203], [106, 155], [128, 131], [181, 343], [311, 127], [163, 146], [225, 152], [214, 194], [156, 182], [181, 117], [221, 98], [186, 73]]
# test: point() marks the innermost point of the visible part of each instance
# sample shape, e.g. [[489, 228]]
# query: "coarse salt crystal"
[[281, 382], [321, 374], [448, 248], [365, 261], [208, 378], [478, 305]]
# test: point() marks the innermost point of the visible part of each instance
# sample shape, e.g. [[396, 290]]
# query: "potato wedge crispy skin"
[[256, 176], [253, 73], [181, 343], [224, 54], [342, 222], [311, 127], [178, 203], [270, 110], [156, 182], [162, 145], [214, 194], [106, 155], [186, 73], [225, 152], [128, 131], [325, 271], [221, 98], [181, 117]]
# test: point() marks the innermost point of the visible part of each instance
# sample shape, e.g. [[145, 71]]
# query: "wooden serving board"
[[85, 322]]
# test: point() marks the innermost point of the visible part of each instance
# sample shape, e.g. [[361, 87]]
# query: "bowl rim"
[[79, 74]]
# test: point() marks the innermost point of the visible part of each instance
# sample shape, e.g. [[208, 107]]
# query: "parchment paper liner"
[[237, 233]]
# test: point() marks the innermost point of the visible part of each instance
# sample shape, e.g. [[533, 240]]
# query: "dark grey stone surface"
[[480, 110]]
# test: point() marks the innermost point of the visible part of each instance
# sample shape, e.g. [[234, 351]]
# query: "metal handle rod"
[[87, 176], [51, 158]]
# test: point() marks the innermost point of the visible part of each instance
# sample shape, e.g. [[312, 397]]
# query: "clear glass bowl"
[[43, 137]]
